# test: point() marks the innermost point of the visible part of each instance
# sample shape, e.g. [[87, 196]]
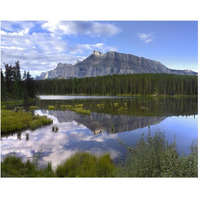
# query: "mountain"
[[98, 64], [104, 122]]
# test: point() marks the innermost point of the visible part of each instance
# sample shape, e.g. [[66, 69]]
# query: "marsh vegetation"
[[151, 157], [19, 120]]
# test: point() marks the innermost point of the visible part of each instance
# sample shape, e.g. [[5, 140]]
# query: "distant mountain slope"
[[98, 64]]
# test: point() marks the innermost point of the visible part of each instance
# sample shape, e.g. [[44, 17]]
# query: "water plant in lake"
[[19, 120], [51, 107], [116, 105], [3, 107], [55, 128], [78, 108], [33, 107], [151, 157]]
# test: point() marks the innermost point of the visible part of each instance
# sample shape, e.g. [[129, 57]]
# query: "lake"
[[112, 120]]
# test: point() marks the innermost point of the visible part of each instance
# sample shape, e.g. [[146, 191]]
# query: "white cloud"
[[146, 37], [82, 48], [38, 50], [95, 29]]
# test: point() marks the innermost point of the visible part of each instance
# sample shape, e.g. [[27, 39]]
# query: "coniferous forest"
[[131, 84], [16, 86]]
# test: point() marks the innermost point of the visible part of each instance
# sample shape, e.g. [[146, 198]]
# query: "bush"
[[86, 165], [154, 157], [79, 165], [13, 166]]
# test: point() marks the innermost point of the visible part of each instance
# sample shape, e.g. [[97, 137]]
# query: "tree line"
[[16, 86], [130, 84]]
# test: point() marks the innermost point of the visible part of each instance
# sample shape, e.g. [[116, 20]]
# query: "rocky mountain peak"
[[99, 64]]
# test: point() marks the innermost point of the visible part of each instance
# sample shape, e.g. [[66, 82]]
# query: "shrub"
[[154, 157], [13, 166], [86, 165]]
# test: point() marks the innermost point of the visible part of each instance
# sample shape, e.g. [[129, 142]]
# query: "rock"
[[98, 64]]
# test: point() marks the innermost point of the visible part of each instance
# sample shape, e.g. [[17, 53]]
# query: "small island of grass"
[[19, 120]]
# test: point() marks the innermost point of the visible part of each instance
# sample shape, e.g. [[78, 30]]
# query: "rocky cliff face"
[[98, 64]]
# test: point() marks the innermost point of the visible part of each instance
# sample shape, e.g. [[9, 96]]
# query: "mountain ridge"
[[99, 64]]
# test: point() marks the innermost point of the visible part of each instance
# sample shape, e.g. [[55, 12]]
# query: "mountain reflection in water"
[[98, 123]]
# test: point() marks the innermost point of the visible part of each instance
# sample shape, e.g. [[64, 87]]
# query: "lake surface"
[[111, 119]]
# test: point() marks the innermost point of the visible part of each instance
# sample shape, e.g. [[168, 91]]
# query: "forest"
[[16, 86], [130, 84]]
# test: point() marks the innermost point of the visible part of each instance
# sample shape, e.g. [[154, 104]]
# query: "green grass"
[[86, 165], [13, 166], [33, 107], [19, 102], [51, 107], [150, 157], [79, 165], [15, 121]]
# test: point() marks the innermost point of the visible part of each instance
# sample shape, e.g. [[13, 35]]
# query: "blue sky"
[[40, 45]]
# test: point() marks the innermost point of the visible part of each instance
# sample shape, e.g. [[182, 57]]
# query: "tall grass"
[[86, 165], [79, 165], [16, 121], [13, 166], [151, 157]]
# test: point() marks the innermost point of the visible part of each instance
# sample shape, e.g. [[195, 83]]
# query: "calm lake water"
[[111, 119]]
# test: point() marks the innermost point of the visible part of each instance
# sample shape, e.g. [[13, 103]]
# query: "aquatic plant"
[[116, 105], [33, 107], [78, 108], [99, 105], [151, 157], [55, 128], [51, 107], [16, 121], [3, 107]]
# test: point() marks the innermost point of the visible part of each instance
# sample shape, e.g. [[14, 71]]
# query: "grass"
[[55, 128], [150, 157], [16, 121], [51, 107], [78, 108], [33, 107], [14, 102], [86, 165], [80, 165], [13, 166]]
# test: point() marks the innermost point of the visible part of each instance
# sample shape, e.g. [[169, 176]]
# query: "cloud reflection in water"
[[58, 146]]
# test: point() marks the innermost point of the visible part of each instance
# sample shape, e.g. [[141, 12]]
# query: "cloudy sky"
[[40, 45]]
